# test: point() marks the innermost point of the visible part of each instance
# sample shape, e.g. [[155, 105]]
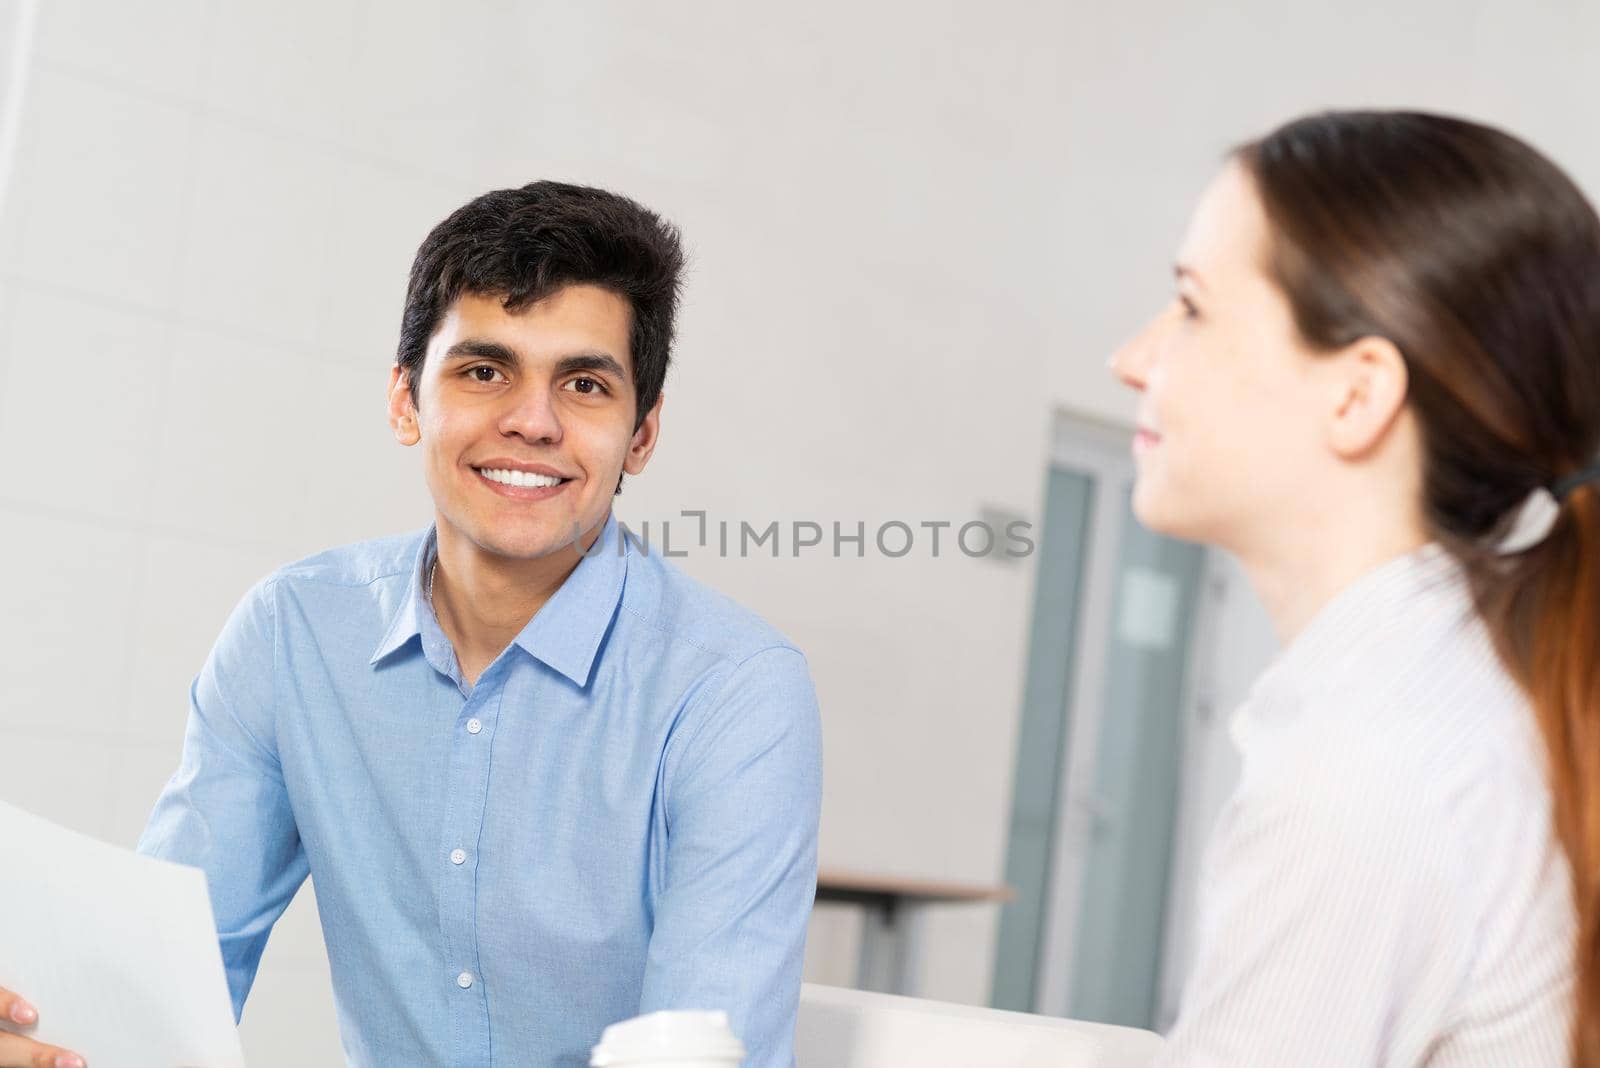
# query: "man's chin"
[[532, 547], [525, 542], [541, 541]]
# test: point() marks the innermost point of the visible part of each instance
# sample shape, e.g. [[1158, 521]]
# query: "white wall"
[[916, 228], [201, 262]]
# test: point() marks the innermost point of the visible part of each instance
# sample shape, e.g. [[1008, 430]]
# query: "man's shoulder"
[[356, 564], [682, 610]]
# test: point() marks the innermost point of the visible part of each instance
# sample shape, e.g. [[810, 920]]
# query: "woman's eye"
[[1189, 310]]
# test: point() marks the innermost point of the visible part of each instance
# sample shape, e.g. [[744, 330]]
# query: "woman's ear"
[[1370, 381]]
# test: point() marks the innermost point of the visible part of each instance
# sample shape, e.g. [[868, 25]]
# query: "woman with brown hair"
[[1379, 387]]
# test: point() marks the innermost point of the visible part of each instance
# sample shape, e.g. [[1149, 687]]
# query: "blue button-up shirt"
[[620, 816]]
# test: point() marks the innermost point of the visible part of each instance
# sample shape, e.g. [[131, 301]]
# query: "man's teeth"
[[518, 478]]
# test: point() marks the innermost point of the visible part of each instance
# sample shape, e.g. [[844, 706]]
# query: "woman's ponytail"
[[1543, 608]]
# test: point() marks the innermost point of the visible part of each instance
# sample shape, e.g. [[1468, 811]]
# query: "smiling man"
[[539, 789]]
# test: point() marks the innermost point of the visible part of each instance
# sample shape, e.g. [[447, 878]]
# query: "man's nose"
[[532, 416]]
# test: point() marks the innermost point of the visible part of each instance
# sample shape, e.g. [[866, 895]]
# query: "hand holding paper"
[[19, 1051], [120, 949]]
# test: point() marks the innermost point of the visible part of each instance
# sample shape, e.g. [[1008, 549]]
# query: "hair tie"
[[1537, 514], [1562, 488], [1534, 518]]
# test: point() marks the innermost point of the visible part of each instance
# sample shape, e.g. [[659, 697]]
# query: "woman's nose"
[[1131, 362]]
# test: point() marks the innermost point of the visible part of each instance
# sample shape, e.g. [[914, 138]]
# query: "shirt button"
[[474, 725], [464, 980], [458, 856]]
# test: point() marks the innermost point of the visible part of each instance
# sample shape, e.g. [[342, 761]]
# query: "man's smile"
[[526, 482]]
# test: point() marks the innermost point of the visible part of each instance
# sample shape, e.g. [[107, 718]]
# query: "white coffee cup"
[[669, 1040]]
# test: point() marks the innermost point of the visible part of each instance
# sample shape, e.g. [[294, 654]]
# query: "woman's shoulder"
[[1422, 776], [1420, 707]]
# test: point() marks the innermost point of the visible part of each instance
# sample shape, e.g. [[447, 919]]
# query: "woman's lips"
[[1145, 440]]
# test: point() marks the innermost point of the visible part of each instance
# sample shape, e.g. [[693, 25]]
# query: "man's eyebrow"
[[483, 349], [603, 362], [480, 349], [1183, 270]]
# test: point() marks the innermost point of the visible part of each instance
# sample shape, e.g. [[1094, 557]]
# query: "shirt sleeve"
[[1323, 900], [226, 810], [743, 792]]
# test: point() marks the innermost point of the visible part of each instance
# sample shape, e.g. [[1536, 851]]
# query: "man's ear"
[[1370, 380], [644, 440], [402, 408]]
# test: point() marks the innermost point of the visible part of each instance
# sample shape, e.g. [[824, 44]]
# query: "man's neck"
[[483, 600]]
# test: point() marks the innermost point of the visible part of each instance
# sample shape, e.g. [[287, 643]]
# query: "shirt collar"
[[565, 634], [406, 623]]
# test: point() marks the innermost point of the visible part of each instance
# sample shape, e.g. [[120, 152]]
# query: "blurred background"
[[917, 232]]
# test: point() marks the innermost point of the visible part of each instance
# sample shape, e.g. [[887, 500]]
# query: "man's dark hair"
[[522, 245]]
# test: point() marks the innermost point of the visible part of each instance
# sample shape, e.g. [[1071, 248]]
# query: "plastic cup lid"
[[668, 1035]]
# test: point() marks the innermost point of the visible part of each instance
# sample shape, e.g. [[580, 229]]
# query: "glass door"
[[1041, 747], [1132, 792], [1100, 745]]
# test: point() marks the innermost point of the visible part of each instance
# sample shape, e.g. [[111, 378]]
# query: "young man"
[[542, 784]]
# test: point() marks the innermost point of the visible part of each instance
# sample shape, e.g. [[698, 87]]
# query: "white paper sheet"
[[118, 951]]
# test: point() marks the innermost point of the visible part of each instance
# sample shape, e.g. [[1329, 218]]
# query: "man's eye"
[[483, 373], [587, 385]]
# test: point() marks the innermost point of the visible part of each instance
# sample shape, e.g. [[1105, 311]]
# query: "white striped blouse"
[[1384, 887]]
